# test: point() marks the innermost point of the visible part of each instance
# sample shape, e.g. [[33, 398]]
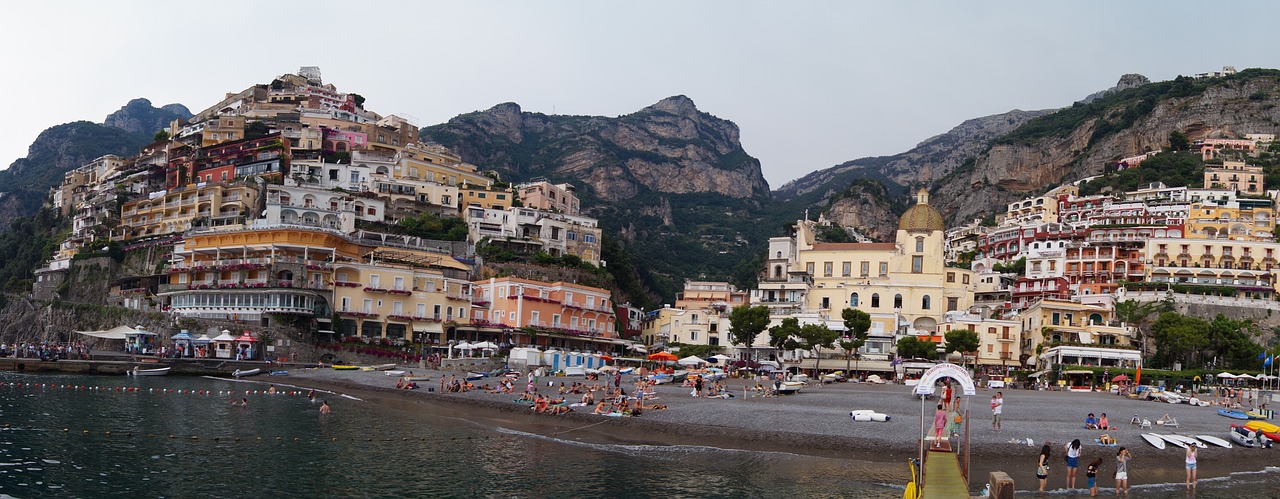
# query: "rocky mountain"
[[1085, 139], [139, 116], [874, 213], [56, 150], [671, 182]]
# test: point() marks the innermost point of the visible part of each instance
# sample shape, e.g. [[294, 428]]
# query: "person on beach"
[[1073, 462], [1091, 476], [946, 394], [324, 407], [1090, 422], [939, 423], [311, 395], [997, 407], [1102, 422], [1191, 466], [1042, 467], [1122, 471]]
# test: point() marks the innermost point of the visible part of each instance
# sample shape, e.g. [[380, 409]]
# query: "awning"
[[117, 333], [1036, 374]]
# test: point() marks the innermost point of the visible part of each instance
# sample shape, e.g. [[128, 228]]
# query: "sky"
[[809, 84]]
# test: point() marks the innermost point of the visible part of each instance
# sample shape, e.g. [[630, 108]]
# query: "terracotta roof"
[[854, 246]]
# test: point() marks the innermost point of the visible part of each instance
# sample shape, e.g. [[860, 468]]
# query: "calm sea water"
[[286, 448]]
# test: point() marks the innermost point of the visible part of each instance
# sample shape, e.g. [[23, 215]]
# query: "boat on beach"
[[1233, 414], [1154, 440], [160, 371], [345, 367], [394, 372], [789, 387], [278, 373], [240, 373], [1244, 436]]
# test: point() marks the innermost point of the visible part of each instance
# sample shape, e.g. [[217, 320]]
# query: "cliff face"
[[139, 116], [669, 147], [1020, 167]]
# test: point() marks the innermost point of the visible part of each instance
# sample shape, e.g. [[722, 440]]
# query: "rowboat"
[[1232, 414], [790, 387], [394, 372], [148, 372], [345, 367], [1154, 440], [240, 373], [1214, 440], [1244, 436]]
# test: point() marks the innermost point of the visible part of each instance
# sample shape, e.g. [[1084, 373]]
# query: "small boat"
[[475, 376], [1244, 436], [417, 378], [383, 367], [136, 371], [1172, 439], [1232, 414], [345, 367], [788, 387], [394, 372], [240, 373], [863, 415], [1214, 440], [1262, 426], [278, 373], [1255, 415], [1154, 440]]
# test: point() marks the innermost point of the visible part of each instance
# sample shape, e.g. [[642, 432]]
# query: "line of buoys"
[[133, 389], [278, 438]]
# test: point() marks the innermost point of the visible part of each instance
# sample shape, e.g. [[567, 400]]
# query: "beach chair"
[[1167, 421]]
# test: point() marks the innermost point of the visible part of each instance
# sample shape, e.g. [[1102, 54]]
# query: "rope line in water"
[[580, 427]]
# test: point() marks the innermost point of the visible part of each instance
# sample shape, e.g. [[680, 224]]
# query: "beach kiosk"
[[202, 346], [246, 347], [136, 340], [182, 343], [223, 345]]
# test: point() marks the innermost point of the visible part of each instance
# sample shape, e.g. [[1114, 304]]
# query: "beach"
[[816, 422]]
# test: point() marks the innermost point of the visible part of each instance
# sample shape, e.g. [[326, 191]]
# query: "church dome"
[[922, 217]]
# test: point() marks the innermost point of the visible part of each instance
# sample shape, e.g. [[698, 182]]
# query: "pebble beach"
[[816, 422]]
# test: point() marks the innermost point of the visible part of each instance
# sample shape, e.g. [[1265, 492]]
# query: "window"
[[375, 281], [926, 302], [826, 269], [884, 269], [875, 300], [808, 268], [847, 269], [399, 283], [917, 264], [1056, 319], [589, 238], [965, 278], [826, 302], [897, 301], [866, 268], [951, 277], [919, 245], [534, 317], [953, 303], [853, 300]]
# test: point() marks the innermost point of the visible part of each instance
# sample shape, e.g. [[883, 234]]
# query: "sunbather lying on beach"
[[600, 408]]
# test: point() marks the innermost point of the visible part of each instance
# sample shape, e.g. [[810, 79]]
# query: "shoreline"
[[819, 430]]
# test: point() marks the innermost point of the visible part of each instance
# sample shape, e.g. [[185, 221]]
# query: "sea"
[[175, 436]]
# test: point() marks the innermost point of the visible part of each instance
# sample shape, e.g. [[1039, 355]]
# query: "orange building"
[[558, 314]]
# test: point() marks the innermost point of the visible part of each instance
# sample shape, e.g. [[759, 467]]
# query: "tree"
[[1178, 141], [817, 336], [857, 323], [910, 347], [1135, 313], [160, 136], [746, 322], [780, 334], [963, 341], [256, 129], [1177, 338]]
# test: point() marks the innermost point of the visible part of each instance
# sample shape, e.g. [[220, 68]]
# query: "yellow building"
[[1240, 220], [402, 294], [485, 197], [1065, 332], [700, 316], [1245, 265], [1235, 175], [221, 129], [999, 341], [195, 205]]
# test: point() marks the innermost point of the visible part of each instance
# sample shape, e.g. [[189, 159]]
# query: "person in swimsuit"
[[1042, 467], [1191, 466]]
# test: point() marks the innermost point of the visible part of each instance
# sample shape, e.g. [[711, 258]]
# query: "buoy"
[[86, 432], [193, 437], [64, 430], [106, 433]]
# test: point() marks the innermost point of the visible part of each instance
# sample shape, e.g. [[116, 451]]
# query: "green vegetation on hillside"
[[60, 149], [1175, 169], [25, 246]]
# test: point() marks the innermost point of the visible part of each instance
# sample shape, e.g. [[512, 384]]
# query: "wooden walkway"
[[942, 476]]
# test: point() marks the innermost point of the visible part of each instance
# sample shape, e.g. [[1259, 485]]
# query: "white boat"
[[161, 371], [1243, 436], [1214, 440], [790, 387], [803, 378], [394, 372], [1154, 440], [1172, 439], [240, 373]]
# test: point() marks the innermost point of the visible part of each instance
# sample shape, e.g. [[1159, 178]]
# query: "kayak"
[[344, 367], [1262, 425], [1232, 414]]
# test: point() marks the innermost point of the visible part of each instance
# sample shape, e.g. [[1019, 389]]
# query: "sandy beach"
[[816, 422]]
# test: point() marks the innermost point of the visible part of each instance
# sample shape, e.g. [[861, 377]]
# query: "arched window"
[[875, 300], [779, 254], [925, 302], [897, 301], [777, 271], [919, 245], [853, 300], [1095, 319]]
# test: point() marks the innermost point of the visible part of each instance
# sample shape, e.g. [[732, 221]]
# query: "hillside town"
[[281, 203]]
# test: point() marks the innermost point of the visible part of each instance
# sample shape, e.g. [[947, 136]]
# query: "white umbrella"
[[721, 356], [1226, 375], [464, 346], [691, 360], [1245, 376], [484, 344], [636, 347]]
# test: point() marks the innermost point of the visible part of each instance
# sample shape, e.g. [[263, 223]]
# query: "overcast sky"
[[810, 84]]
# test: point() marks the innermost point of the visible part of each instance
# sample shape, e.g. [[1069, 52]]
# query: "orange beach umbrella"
[[664, 357]]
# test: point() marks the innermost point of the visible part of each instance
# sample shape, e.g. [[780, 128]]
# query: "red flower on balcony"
[[368, 289], [403, 292]]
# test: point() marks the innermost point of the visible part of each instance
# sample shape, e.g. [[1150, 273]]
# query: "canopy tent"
[[117, 333], [484, 344], [720, 357], [691, 360], [636, 347], [183, 336], [464, 346]]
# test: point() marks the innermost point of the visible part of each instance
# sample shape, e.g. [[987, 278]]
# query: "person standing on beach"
[[1091, 475], [1122, 471], [1191, 466], [997, 407], [1042, 468], [1073, 462]]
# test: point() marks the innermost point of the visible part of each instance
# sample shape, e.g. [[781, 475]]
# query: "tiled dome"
[[922, 217]]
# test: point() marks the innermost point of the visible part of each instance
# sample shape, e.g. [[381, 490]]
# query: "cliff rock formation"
[[139, 116]]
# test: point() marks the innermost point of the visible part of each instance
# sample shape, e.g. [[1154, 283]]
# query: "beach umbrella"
[[1226, 375], [606, 358], [464, 346], [636, 347], [664, 357], [484, 344], [607, 368], [1119, 378], [691, 360]]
